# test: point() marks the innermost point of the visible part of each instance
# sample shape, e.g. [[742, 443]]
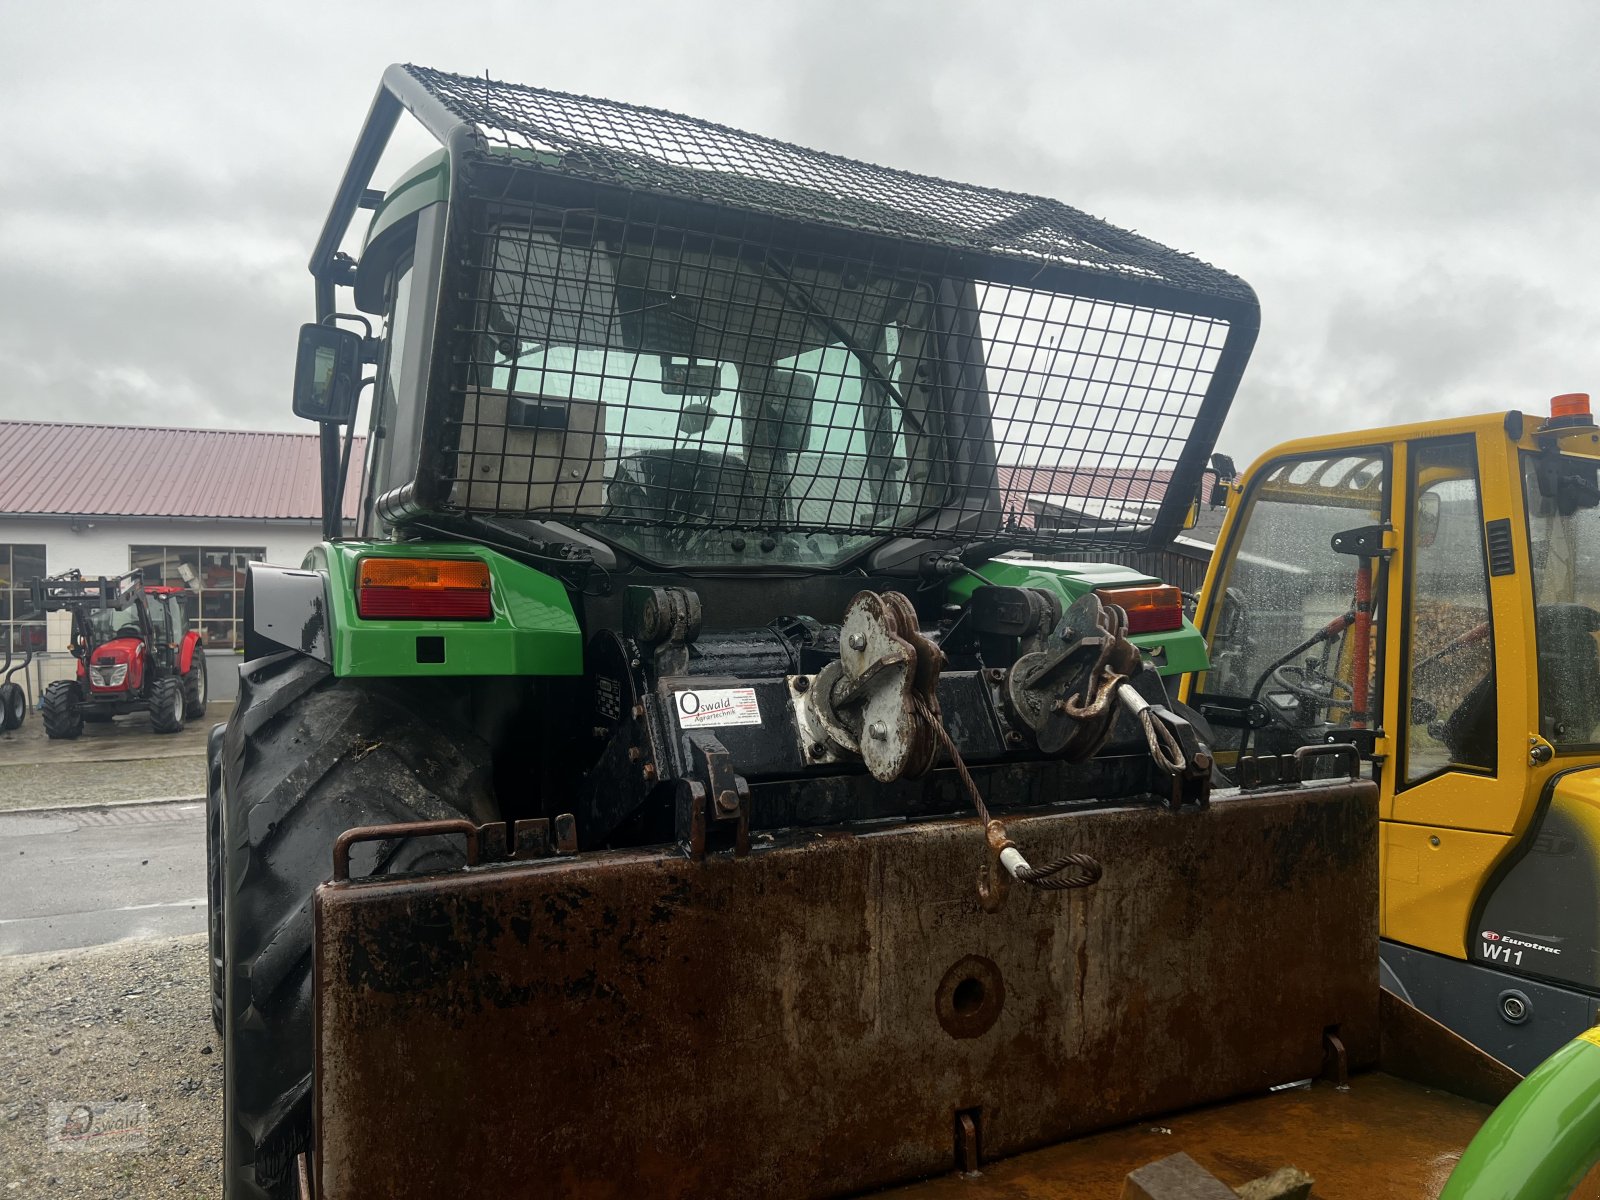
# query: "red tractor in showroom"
[[135, 652]]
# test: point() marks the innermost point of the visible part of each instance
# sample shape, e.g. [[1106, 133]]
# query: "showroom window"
[[20, 627], [214, 573]]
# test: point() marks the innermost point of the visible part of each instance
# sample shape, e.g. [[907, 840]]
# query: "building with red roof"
[[188, 506]]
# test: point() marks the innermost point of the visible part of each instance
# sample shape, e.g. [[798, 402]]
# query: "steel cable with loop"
[[1063, 874]]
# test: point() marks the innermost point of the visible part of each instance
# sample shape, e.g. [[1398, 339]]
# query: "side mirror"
[[1429, 506], [1231, 617], [327, 374]]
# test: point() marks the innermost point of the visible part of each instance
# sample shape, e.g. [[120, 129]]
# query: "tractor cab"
[[168, 610], [1431, 593], [115, 642]]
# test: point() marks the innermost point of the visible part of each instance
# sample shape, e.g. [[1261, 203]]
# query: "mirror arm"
[[332, 509], [337, 507]]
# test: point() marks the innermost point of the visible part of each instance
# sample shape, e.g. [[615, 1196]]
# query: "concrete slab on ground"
[[85, 876], [119, 740], [128, 1023], [109, 764]]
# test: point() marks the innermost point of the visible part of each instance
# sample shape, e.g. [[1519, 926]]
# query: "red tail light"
[[1152, 609], [444, 589]]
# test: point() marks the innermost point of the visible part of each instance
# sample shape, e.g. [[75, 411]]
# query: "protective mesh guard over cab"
[[706, 346]]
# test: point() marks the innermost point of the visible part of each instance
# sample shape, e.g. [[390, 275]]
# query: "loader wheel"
[[62, 710], [13, 706], [304, 758], [167, 704], [195, 687]]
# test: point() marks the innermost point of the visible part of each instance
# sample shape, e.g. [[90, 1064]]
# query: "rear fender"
[[187, 649], [285, 609]]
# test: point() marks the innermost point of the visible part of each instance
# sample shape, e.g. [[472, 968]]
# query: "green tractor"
[[701, 774]]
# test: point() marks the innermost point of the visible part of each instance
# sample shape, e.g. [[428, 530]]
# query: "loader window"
[[1450, 702], [110, 623], [1283, 651], [1564, 541]]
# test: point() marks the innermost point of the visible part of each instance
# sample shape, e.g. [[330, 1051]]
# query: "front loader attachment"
[[835, 1011]]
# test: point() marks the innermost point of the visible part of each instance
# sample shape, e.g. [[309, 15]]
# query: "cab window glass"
[[379, 458], [161, 618], [1449, 653], [1564, 540], [1284, 641]]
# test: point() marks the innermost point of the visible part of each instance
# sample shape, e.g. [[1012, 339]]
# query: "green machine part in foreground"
[[533, 630], [1173, 651], [1543, 1138]]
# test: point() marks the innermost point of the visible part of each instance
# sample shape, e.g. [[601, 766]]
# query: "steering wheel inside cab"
[[697, 487], [1299, 697]]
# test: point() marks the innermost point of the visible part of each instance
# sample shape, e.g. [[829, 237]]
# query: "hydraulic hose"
[[1544, 1137]]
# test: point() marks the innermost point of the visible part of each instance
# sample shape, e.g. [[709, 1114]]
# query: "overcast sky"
[[1410, 187]]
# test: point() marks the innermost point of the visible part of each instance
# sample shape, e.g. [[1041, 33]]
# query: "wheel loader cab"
[[1432, 593]]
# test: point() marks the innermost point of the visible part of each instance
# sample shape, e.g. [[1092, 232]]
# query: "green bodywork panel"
[[533, 632], [1175, 651], [426, 183]]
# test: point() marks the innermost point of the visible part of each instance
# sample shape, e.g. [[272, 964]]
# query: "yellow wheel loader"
[[1430, 593]]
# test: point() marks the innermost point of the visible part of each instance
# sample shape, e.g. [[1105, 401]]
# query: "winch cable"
[[1104, 681], [1163, 743], [1063, 874]]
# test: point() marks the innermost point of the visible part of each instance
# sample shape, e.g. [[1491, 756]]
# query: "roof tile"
[[48, 468]]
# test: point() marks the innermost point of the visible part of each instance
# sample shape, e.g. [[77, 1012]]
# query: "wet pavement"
[[103, 994], [85, 876], [111, 763]]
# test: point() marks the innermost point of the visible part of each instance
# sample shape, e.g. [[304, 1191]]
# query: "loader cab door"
[[1460, 777], [1291, 664]]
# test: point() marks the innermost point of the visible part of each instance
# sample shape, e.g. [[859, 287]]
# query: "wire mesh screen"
[[701, 397], [650, 150], [705, 346]]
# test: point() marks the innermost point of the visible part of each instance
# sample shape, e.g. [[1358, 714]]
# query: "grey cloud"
[[1407, 184]]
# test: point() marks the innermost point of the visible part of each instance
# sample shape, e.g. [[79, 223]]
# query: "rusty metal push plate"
[[833, 1015]]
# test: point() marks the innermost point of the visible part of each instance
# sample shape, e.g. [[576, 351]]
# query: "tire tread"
[[306, 756]]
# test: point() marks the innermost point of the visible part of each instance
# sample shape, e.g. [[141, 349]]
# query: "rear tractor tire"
[[305, 757], [62, 710], [13, 706], [195, 687], [214, 896], [167, 704]]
